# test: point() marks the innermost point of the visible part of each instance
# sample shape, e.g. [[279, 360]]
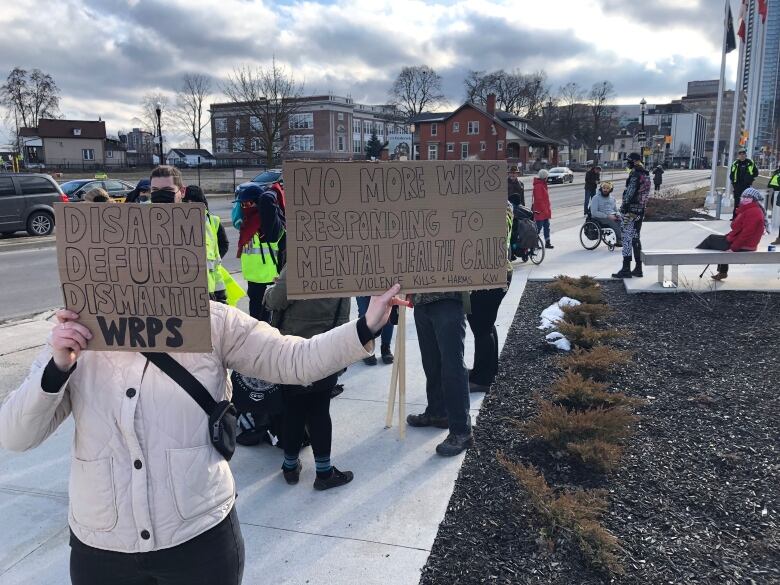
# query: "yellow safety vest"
[[260, 261], [213, 259], [775, 181]]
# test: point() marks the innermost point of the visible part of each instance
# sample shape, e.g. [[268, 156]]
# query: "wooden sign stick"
[[402, 372], [393, 378]]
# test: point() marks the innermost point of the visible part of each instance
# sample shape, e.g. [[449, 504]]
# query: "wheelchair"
[[535, 254], [593, 233]]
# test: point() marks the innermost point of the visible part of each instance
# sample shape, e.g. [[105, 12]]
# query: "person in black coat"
[[515, 188], [194, 194], [592, 179], [658, 177]]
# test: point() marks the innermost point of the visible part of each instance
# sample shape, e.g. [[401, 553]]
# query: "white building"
[[190, 157]]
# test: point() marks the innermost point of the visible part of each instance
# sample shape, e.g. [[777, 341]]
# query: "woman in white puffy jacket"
[[151, 499]]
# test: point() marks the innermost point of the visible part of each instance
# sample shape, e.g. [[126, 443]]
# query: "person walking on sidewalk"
[[541, 206], [747, 229], [262, 229], [658, 177], [635, 198], [482, 320], [592, 179], [387, 336], [441, 331], [307, 407], [743, 173]]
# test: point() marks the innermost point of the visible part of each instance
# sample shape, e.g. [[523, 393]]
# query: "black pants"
[[216, 556], [716, 242], [737, 193], [307, 410], [441, 330], [482, 320], [255, 291]]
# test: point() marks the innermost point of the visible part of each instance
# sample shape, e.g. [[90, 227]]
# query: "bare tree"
[[416, 89], [570, 98], [149, 104], [29, 98], [477, 87], [269, 96], [515, 92], [602, 114], [536, 92], [189, 111]]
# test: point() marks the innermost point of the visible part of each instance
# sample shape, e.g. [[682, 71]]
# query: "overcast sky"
[[105, 54]]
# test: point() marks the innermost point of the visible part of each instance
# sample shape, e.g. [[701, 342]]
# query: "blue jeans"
[[544, 224], [387, 330], [441, 330]]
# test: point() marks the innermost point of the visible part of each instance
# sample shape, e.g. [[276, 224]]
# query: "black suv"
[[26, 203]]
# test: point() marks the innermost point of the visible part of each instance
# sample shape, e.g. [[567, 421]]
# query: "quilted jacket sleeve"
[[30, 414], [256, 349]]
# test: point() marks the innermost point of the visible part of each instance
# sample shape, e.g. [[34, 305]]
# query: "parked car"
[[26, 203], [77, 188], [264, 179], [560, 175]]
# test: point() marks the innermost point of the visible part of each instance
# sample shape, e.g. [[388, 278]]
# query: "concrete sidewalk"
[[377, 530]]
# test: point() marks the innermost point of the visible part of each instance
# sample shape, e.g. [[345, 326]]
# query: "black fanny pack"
[[222, 415]]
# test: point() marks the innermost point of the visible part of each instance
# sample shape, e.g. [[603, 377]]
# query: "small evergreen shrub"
[[586, 314], [576, 392], [595, 363], [586, 336]]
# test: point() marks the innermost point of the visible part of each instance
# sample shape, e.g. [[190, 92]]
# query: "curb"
[[28, 243]]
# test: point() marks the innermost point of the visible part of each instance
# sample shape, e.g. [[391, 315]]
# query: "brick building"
[[324, 127], [482, 132]]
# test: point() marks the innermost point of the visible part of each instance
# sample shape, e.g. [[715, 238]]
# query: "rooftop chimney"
[[491, 103]]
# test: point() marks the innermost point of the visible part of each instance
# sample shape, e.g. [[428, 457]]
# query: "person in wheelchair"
[[604, 211]]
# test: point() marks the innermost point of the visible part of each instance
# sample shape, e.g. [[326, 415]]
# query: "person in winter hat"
[[541, 206], [747, 229], [141, 192], [604, 211], [635, 196]]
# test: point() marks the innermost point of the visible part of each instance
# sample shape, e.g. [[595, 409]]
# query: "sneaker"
[[387, 355], [549, 246], [474, 387], [426, 420], [370, 361], [291, 476], [335, 479], [455, 444]]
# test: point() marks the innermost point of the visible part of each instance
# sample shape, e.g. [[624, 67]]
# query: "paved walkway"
[[377, 530]]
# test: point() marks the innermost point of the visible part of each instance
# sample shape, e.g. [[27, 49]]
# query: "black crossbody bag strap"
[[179, 374]]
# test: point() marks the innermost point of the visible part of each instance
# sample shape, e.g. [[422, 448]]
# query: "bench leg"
[[675, 271], [661, 274]]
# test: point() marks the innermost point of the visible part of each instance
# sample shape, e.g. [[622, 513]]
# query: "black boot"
[[548, 245], [637, 246], [625, 272]]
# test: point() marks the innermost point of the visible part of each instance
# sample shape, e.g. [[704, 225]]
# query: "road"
[[31, 280]]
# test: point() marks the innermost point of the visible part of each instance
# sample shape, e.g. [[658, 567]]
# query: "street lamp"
[[642, 133], [411, 154], [158, 111], [598, 148]]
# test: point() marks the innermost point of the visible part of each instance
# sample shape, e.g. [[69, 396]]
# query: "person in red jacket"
[[541, 206], [747, 229]]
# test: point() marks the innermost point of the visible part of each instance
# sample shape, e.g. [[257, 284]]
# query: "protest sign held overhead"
[[136, 274], [358, 228]]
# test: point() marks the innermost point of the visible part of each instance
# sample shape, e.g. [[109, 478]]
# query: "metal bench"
[[676, 258]]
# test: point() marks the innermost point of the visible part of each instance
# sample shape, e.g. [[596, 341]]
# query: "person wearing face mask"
[[747, 229], [217, 245], [635, 196], [141, 192], [743, 173], [604, 211]]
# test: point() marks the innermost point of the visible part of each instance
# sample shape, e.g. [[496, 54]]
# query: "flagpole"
[[715, 142], [755, 73], [735, 117], [759, 77]]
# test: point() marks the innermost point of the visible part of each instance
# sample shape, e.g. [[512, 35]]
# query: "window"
[[301, 121], [7, 187], [500, 144], [88, 153], [433, 151], [456, 126], [340, 143], [356, 126], [222, 144], [238, 145], [380, 128], [482, 146], [255, 124], [341, 116], [450, 147], [473, 128], [35, 185], [356, 145], [255, 144], [366, 127], [434, 129], [238, 125], [113, 186], [464, 150], [220, 125], [301, 142], [109, 154]]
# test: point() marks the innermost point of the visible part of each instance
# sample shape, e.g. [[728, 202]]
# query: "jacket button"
[[145, 535], [137, 464], [130, 392]]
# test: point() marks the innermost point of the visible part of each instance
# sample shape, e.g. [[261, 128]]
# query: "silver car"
[[560, 175]]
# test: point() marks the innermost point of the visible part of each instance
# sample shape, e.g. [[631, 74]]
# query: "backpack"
[[644, 188], [259, 405]]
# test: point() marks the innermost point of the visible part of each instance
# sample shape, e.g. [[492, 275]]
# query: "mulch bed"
[[686, 501], [676, 209]]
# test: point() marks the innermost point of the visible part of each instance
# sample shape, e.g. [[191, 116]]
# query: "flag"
[[762, 10], [742, 28], [731, 40]]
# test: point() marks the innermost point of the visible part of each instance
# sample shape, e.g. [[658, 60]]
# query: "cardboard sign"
[[136, 274], [358, 228]]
